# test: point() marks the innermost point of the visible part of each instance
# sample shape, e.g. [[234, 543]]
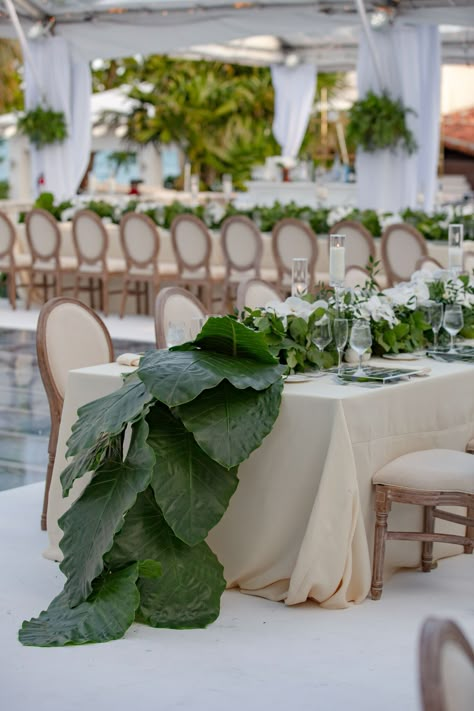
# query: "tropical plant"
[[103, 209], [45, 201], [196, 412], [43, 126], [377, 122], [119, 159], [4, 189], [11, 94]]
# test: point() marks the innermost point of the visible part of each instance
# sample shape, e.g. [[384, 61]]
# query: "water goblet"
[[321, 336], [453, 322], [436, 319], [360, 341], [176, 333], [341, 334]]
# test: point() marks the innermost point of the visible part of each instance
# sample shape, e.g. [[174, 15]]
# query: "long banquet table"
[[301, 522]]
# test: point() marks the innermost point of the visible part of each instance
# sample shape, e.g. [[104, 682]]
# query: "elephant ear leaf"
[[106, 615], [93, 520], [108, 415]]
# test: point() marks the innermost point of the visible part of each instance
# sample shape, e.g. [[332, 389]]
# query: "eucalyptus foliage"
[[377, 121], [134, 541], [43, 126]]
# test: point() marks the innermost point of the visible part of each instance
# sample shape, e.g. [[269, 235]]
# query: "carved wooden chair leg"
[[469, 547], [11, 279], [124, 297], [104, 296], [427, 546], [382, 509]]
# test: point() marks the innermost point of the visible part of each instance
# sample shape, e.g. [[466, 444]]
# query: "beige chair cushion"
[[430, 470]]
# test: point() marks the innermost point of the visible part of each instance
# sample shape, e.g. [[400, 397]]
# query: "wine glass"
[[453, 322], [360, 341], [436, 319], [341, 334], [176, 333], [322, 333]]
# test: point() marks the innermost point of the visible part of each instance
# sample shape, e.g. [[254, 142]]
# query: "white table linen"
[[301, 522]]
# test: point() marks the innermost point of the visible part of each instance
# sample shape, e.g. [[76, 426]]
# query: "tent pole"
[[370, 42]]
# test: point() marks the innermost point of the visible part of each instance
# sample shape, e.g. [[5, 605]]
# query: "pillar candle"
[[337, 267]]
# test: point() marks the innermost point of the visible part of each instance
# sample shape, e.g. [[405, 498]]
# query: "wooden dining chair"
[[357, 276], [402, 245], [359, 244], [468, 262], [91, 243], [192, 246], [446, 667], [428, 263], [140, 240], [255, 294], [11, 264], [429, 478], [44, 242], [174, 304], [292, 238], [69, 335], [242, 249]]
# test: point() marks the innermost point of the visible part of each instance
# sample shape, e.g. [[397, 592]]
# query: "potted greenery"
[[377, 122], [43, 126]]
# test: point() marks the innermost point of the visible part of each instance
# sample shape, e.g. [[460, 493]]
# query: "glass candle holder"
[[455, 239], [299, 277], [337, 260]]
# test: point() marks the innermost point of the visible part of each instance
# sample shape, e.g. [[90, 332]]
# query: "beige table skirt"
[[300, 524]]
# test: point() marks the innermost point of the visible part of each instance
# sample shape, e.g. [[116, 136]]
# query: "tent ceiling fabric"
[[321, 32]]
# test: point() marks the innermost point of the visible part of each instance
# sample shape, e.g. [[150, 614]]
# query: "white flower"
[[376, 308], [401, 295], [294, 306]]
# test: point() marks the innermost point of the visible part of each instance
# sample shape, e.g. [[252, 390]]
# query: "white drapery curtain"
[[410, 62], [294, 95], [65, 84]]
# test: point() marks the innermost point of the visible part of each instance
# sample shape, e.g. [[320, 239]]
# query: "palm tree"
[[11, 95]]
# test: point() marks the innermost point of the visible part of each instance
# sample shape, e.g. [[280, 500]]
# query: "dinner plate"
[[403, 356]]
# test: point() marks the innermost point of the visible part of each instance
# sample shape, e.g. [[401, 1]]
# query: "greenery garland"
[[43, 126], [134, 541], [377, 122]]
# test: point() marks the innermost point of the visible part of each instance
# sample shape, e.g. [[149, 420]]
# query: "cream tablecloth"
[[301, 522]]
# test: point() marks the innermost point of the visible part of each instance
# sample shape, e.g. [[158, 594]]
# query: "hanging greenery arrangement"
[[43, 126], [377, 122]]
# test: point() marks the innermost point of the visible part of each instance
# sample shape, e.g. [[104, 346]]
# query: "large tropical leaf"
[[175, 377], [188, 593], [106, 615], [93, 520], [191, 489], [230, 337], [107, 415], [228, 424], [90, 460]]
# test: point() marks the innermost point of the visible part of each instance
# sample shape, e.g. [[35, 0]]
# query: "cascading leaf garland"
[[133, 542]]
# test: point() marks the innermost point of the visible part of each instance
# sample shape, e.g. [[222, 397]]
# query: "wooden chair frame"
[[230, 265], [243, 287], [55, 399], [284, 269], [426, 258], [385, 495], [160, 305], [9, 253], [435, 634], [392, 275], [204, 284], [339, 227], [361, 270], [141, 280], [57, 272]]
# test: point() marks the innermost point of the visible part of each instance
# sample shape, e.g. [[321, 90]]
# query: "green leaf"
[[192, 490], [93, 520], [176, 377], [88, 461], [106, 615], [227, 336], [188, 593], [228, 424], [107, 415], [298, 329], [149, 569]]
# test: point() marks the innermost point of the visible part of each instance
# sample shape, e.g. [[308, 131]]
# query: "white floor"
[[131, 327], [258, 655]]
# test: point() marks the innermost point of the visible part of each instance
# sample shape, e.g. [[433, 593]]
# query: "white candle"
[[455, 257], [337, 264]]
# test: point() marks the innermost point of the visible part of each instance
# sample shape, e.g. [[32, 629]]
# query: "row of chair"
[[140, 267]]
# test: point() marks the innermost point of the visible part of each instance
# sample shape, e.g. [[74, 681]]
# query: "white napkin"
[[129, 359]]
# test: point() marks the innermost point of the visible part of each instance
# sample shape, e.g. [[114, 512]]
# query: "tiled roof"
[[458, 131]]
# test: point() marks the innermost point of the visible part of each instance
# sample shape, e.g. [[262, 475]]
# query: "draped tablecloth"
[[300, 524]]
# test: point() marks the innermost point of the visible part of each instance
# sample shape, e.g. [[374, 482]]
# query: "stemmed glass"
[[360, 341], [436, 319], [176, 333], [341, 334], [453, 322], [322, 333], [299, 277]]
